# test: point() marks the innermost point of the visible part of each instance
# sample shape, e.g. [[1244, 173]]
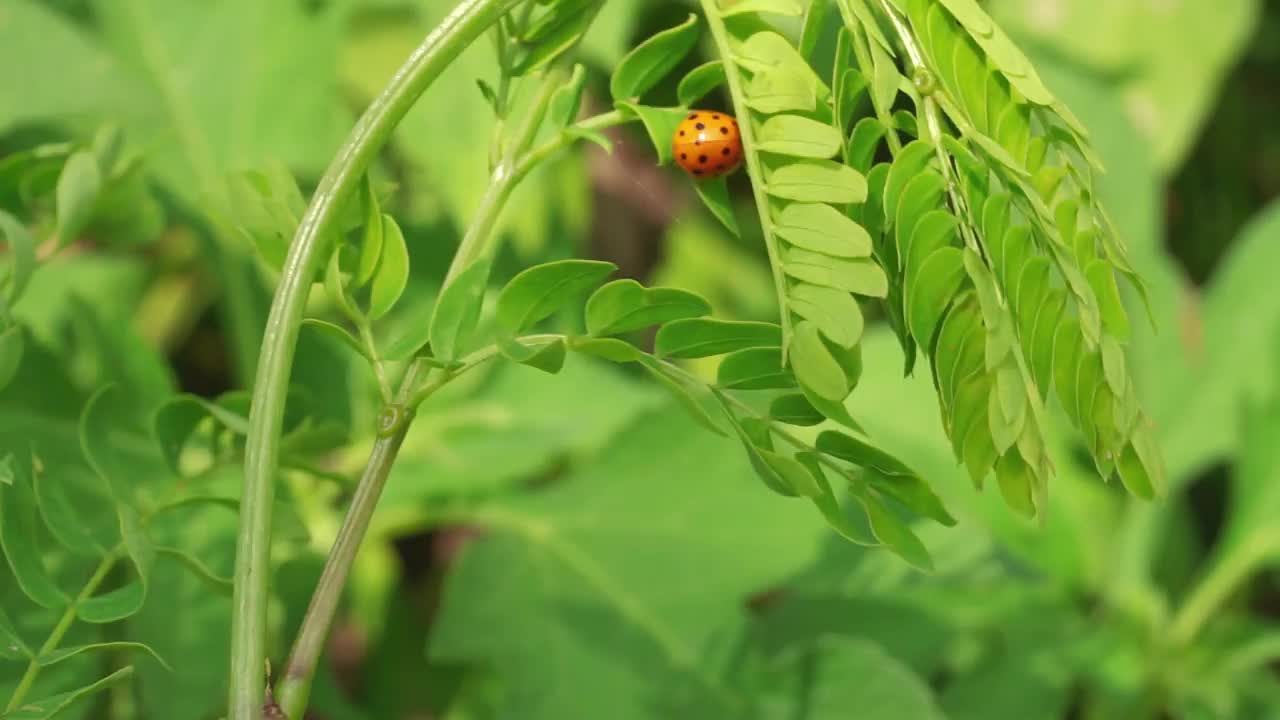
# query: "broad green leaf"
[[12, 646], [19, 534], [21, 258], [788, 8], [49, 707], [834, 312], [885, 688], [334, 332], [817, 181], [335, 285], [798, 136], [754, 369], [651, 60], [12, 343], [895, 533], [756, 441], [626, 305], [699, 82], [714, 193], [660, 123], [567, 99], [907, 166], [851, 87], [79, 187], [931, 292], [57, 656], [540, 291], [393, 270], [861, 276], [795, 409], [544, 566], [457, 310], [704, 337], [823, 229], [843, 513], [775, 91], [885, 78], [814, 366]]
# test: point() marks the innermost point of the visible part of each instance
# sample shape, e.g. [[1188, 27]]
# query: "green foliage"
[[577, 448]]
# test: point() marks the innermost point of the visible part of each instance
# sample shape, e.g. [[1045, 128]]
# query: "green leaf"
[[19, 534], [787, 8], [895, 533], [660, 123], [795, 409], [822, 229], [21, 247], [861, 276], [700, 81], [931, 291], [12, 344], [47, 708], [78, 189], [611, 349], [555, 37], [886, 687], [625, 305], [885, 79], [338, 334], [335, 285], [834, 312], [907, 166], [543, 568], [57, 656], [705, 337], [371, 239], [567, 99], [757, 368], [548, 357], [457, 310], [817, 181], [541, 290], [651, 60], [714, 193], [393, 270], [814, 366], [798, 136]]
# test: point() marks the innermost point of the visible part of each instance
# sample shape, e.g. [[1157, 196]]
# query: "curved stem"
[[734, 80], [249, 606]]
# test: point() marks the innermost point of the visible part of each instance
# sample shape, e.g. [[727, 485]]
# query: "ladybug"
[[707, 144]]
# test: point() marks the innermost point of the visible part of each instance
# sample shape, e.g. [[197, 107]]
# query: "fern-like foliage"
[[987, 243]]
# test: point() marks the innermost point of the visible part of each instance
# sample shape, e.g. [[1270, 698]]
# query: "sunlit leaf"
[[625, 305], [541, 290]]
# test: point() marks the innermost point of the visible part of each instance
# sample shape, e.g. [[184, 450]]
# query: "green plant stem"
[[249, 605], [1214, 588], [293, 690], [734, 80], [60, 630], [932, 116], [371, 347]]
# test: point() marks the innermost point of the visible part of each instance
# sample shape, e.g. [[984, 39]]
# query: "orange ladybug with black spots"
[[707, 144]]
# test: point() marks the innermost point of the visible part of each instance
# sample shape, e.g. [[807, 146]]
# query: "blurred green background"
[[572, 546]]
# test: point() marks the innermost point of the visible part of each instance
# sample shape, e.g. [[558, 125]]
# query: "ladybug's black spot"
[[715, 117], [697, 142], [725, 152], [724, 130], [681, 133], [694, 116], [697, 172], [684, 156], [700, 126], [702, 159]]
